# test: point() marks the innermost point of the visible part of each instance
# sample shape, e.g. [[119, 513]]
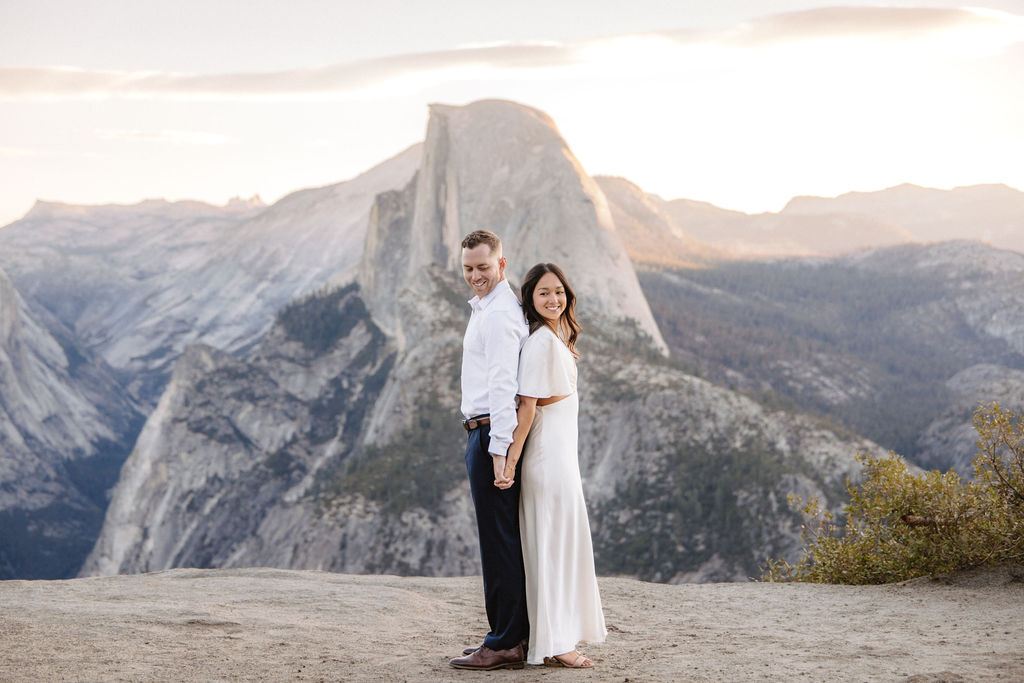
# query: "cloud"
[[956, 29], [69, 82], [177, 137]]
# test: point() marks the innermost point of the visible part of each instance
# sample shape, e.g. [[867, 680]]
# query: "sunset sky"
[[122, 100]]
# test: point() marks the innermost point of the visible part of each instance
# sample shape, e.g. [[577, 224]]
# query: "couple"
[[540, 587]]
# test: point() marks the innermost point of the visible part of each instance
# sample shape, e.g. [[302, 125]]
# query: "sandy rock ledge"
[[269, 624]]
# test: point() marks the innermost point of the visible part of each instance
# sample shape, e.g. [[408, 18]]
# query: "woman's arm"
[[525, 414]]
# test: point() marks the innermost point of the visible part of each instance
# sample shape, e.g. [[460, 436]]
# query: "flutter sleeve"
[[544, 368]]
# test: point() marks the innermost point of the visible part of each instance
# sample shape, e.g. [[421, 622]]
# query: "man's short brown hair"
[[478, 237]]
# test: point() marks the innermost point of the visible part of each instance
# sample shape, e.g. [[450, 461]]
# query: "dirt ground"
[[276, 625]]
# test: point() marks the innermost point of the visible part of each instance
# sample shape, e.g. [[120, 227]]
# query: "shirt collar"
[[479, 304]]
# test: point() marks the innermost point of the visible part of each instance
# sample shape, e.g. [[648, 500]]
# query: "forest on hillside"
[[867, 350]]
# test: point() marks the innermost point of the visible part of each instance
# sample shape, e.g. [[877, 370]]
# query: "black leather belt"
[[476, 422]]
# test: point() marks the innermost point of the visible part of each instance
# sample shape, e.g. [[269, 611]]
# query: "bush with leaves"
[[900, 525]]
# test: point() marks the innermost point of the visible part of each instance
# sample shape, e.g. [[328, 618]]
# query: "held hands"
[[500, 480], [504, 478]]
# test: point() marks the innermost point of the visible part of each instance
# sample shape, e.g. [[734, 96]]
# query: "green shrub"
[[900, 525]]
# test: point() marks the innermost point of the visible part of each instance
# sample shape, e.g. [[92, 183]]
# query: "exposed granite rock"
[[502, 166], [65, 429]]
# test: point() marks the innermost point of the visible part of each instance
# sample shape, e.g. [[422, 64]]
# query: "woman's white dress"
[[561, 585]]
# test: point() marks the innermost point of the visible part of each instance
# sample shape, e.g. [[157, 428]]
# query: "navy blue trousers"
[[501, 553]]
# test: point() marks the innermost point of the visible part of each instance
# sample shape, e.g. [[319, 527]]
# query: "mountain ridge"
[[138, 284]]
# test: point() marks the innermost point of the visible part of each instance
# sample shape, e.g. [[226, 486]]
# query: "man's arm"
[[502, 339]]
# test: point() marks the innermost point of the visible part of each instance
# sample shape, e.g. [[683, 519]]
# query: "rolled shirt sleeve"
[[503, 335]]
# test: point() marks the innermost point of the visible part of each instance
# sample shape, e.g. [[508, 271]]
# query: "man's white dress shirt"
[[490, 362]]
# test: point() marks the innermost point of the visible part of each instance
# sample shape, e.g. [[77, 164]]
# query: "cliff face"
[[268, 463], [65, 429], [338, 447], [504, 167], [115, 294]]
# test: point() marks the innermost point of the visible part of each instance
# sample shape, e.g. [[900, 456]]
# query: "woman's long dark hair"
[[569, 328]]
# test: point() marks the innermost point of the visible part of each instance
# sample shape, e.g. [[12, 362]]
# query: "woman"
[[561, 587]]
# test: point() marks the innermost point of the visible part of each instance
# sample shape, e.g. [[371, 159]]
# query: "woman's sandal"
[[580, 662]]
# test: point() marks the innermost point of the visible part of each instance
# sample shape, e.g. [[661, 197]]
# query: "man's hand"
[[500, 480]]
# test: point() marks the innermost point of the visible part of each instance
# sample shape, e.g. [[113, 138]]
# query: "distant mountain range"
[[139, 283], [817, 226], [298, 363]]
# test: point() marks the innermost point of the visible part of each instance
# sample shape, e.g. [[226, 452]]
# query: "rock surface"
[[505, 167], [275, 625], [65, 429], [116, 293]]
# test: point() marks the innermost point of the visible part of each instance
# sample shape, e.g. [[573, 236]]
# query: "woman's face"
[[549, 297]]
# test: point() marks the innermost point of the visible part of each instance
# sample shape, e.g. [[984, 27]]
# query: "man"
[[490, 364]]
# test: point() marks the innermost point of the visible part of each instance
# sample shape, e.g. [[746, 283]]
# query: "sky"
[[741, 103]]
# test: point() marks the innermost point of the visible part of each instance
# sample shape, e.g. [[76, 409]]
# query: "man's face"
[[482, 269]]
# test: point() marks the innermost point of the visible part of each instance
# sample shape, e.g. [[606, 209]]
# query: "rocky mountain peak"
[[240, 204], [503, 167]]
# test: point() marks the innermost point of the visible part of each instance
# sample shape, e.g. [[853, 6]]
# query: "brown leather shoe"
[[524, 643], [486, 659]]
